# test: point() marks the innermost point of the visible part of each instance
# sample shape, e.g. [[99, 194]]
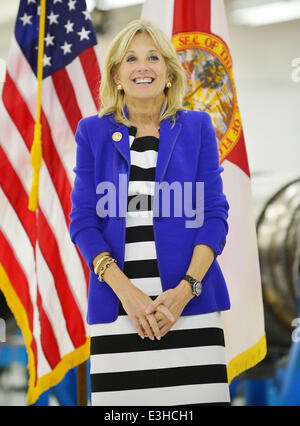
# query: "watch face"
[[197, 288]]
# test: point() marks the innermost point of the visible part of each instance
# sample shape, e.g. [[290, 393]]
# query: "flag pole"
[[81, 385], [36, 149]]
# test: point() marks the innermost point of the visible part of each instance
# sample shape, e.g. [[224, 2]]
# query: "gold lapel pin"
[[117, 136]]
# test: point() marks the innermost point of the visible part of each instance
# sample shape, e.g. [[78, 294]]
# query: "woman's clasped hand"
[[154, 318], [135, 302]]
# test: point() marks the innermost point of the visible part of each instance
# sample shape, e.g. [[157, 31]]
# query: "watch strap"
[[192, 281]]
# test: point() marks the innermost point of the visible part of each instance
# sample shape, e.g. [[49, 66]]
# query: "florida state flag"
[[198, 29]]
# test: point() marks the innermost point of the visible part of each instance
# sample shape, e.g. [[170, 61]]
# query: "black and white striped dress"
[[188, 365]]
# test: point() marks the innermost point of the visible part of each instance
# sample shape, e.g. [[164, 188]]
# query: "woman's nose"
[[142, 66]]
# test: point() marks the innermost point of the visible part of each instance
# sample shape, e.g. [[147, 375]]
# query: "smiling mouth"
[[145, 80]]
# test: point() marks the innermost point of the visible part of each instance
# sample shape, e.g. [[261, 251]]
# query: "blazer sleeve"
[[215, 227], [85, 226]]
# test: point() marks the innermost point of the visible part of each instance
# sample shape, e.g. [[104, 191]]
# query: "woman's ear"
[[115, 76], [170, 76]]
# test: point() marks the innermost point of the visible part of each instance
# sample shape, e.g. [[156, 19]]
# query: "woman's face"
[[143, 71]]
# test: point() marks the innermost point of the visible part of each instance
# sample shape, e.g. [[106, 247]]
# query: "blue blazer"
[[188, 152]]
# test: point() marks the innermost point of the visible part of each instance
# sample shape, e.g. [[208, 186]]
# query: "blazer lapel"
[[120, 138], [167, 139]]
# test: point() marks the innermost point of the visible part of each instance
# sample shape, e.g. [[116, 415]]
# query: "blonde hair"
[[112, 100]]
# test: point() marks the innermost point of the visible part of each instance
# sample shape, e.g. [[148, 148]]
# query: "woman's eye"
[[154, 58], [130, 58]]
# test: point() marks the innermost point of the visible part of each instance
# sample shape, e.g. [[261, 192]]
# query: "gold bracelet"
[[104, 267], [98, 263]]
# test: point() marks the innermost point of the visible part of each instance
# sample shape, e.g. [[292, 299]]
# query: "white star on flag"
[[26, 19], [66, 47], [53, 18], [69, 26], [86, 15], [46, 61], [84, 34], [49, 40], [71, 4]]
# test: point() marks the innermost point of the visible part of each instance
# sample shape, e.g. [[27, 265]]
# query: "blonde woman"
[[156, 289]]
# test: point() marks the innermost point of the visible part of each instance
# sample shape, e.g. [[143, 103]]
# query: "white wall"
[[269, 99]]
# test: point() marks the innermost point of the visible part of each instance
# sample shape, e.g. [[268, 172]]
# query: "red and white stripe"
[[45, 269], [244, 322]]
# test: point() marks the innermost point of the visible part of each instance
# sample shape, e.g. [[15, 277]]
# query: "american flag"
[[42, 274]]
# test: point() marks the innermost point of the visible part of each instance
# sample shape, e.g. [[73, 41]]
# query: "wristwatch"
[[196, 285]]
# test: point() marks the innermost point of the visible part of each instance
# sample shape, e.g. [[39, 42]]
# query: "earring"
[[169, 84], [119, 87]]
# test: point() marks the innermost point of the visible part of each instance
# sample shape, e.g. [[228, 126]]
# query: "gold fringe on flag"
[[36, 148]]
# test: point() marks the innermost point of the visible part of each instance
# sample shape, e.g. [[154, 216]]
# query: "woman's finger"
[[165, 311], [154, 326], [138, 328], [153, 306], [159, 316], [146, 327], [164, 330]]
